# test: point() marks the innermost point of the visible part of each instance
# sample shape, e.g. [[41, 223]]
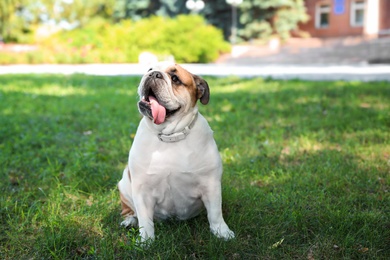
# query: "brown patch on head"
[[182, 80], [203, 90]]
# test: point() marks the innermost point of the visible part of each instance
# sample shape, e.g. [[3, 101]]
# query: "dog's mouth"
[[150, 106]]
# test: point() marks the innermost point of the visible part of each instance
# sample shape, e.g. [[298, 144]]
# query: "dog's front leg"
[[212, 200], [145, 211]]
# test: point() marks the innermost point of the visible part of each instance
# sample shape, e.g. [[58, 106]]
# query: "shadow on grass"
[[321, 201], [305, 162], [76, 137]]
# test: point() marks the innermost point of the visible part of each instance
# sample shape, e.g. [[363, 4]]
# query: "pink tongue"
[[158, 111]]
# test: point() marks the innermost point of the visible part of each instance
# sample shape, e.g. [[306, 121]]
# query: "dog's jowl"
[[174, 168]]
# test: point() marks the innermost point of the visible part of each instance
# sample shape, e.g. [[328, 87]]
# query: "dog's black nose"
[[156, 74]]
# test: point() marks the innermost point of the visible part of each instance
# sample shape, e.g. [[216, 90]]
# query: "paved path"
[[314, 51], [305, 72]]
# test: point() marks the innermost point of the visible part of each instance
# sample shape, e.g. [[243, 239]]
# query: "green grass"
[[307, 168]]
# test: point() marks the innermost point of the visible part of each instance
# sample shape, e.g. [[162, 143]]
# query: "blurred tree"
[[11, 23], [172, 8], [216, 12], [257, 18], [135, 9], [219, 14], [72, 11], [138, 9], [20, 17], [261, 19]]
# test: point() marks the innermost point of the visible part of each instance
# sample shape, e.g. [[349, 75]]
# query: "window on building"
[[357, 13], [322, 16]]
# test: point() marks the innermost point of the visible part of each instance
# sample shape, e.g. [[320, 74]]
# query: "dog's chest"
[[175, 181], [174, 175], [178, 195], [197, 153]]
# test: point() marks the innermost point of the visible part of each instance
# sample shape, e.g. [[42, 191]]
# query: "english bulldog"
[[174, 169]]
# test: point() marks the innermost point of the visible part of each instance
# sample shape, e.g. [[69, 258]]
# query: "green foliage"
[[135, 10], [219, 14], [306, 170], [261, 28], [262, 19], [139, 9], [12, 26], [72, 11], [20, 18], [258, 19], [187, 38]]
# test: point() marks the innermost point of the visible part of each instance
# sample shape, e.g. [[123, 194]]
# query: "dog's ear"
[[203, 91]]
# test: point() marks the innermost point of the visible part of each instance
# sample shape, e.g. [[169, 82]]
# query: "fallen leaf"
[[277, 244], [286, 150], [89, 132], [365, 105], [258, 183], [89, 201], [363, 250], [310, 255]]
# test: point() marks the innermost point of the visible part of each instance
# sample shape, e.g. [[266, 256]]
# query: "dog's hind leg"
[[128, 209], [128, 213]]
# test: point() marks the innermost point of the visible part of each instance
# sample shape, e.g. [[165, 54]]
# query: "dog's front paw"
[[144, 243], [130, 221], [223, 232]]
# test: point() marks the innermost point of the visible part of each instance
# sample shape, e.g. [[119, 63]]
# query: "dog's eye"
[[175, 79]]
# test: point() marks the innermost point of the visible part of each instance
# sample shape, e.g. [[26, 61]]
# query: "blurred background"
[[195, 31]]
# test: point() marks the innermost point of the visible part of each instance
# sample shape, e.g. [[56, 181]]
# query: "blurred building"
[[340, 18]]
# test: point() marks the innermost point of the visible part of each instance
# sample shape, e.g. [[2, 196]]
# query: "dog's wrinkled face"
[[167, 89]]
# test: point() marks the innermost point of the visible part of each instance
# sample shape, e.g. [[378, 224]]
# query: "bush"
[[187, 38]]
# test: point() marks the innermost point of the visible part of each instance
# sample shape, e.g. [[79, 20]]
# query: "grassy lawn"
[[307, 170]]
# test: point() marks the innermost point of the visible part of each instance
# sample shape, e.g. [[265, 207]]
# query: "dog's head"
[[167, 90]]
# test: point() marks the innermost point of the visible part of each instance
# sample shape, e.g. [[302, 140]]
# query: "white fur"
[[174, 179]]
